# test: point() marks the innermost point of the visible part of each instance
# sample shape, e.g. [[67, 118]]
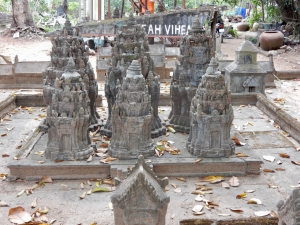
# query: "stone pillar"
[[91, 9]]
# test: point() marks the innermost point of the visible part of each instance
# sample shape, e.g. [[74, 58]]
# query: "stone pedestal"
[[132, 117], [211, 117], [196, 49]]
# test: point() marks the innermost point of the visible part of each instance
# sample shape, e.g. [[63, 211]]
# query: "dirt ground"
[[38, 49]]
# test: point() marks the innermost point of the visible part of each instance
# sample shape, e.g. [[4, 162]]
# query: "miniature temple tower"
[[131, 43], [141, 198], [68, 117], [244, 74], [211, 116], [196, 50], [70, 44], [132, 117]]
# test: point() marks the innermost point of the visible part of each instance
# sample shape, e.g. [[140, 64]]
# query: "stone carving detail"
[[244, 74], [116, 13], [140, 198], [70, 44], [211, 116], [196, 50], [68, 115], [131, 43], [132, 117], [289, 211]]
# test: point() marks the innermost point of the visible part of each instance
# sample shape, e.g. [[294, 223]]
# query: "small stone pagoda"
[[131, 43], [244, 75], [70, 44], [68, 117], [141, 198], [211, 117], [196, 50], [132, 117]]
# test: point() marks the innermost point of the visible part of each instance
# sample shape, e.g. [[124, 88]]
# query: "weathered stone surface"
[[132, 117], [68, 117], [131, 44], [141, 199], [211, 116], [70, 44], [244, 74], [289, 210], [196, 50]]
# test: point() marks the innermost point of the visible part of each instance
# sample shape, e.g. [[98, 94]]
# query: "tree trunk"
[[288, 10], [22, 16]]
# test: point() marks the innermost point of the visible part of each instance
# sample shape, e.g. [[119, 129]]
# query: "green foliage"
[[5, 6], [233, 32], [253, 40], [254, 17]]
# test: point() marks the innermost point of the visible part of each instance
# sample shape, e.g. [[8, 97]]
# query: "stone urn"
[[242, 26], [271, 40], [255, 26]]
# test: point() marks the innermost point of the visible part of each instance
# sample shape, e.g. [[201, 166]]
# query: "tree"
[[22, 16]]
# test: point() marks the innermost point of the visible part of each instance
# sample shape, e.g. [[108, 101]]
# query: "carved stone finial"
[[71, 65], [134, 70]]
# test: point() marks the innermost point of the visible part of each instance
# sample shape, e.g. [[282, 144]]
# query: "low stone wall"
[[7, 105], [280, 117]]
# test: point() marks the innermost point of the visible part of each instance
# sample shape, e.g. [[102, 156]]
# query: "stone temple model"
[[71, 44], [141, 198], [131, 43], [211, 117], [70, 92], [196, 50], [132, 117], [68, 117]]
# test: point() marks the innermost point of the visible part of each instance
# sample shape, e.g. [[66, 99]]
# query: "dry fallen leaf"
[[249, 191], [3, 204], [283, 155], [5, 155], [177, 190], [280, 169], [9, 129], [239, 154], [269, 158], [20, 193], [34, 203], [224, 214], [100, 189], [237, 141], [242, 195], [46, 179], [83, 195], [2, 135], [18, 215], [262, 213], [273, 214], [296, 163], [90, 158], [254, 201], [236, 210], [268, 171], [198, 160], [197, 208], [212, 179], [234, 182], [108, 159], [225, 185], [199, 198], [171, 129], [181, 179]]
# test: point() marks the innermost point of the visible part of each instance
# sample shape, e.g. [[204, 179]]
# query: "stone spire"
[[212, 116], [196, 50], [132, 117]]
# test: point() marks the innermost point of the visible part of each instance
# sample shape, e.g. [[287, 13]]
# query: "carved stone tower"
[[196, 50], [131, 43], [68, 117], [70, 44], [211, 116], [132, 117], [141, 198]]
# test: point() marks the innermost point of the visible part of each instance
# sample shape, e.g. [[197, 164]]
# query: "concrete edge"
[[7, 105], [280, 117]]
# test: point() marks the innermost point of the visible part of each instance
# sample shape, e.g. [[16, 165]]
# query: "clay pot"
[[271, 40], [255, 26], [242, 26]]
